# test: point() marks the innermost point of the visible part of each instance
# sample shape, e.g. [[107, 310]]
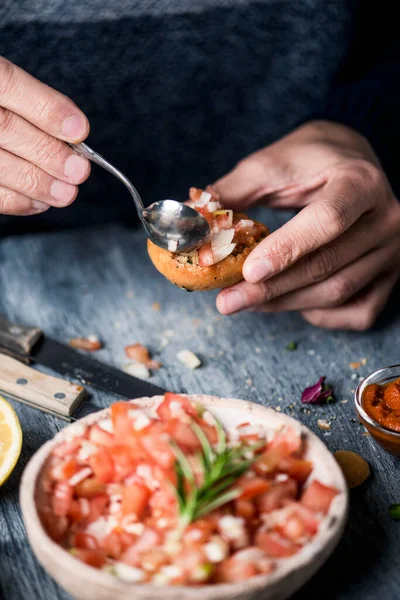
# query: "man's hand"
[[37, 167], [338, 259]]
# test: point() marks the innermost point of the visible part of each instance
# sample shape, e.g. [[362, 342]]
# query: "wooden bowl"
[[86, 583]]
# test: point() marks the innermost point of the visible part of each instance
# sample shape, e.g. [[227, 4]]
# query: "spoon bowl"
[[175, 226], [168, 223]]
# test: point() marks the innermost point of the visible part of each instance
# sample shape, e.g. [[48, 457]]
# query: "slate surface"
[[101, 281]]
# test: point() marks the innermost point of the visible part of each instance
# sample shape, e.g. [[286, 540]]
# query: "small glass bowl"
[[388, 439]]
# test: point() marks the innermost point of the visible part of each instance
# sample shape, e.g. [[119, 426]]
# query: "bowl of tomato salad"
[[377, 401], [198, 495]]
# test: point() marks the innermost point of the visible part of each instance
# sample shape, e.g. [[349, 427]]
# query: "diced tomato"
[[206, 256], [90, 487], [55, 526], [99, 437], [152, 560], [318, 497], [292, 527], [68, 448], [221, 221], [310, 519], [191, 559], [123, 427], [123, 461], [102, 465], [244, 508], [232, 571], [210, 432], [166, 412], [297, 468], [134, 500], [62, 498], [198, 532], [93, 558], [75, 511], [252, 487], [183, 435], [163, 503], [147, 541], [195, 193], [64, 470], [275, 545], [268, 462], [243, 234], [97, 507], [159, 450], [84, 540], [286, 442], [276, 495], [112, 545]]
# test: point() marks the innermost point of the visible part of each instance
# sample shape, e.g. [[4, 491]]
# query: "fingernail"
[[74, 127], [76, 167], [62, 192], [257, 269], [232, 301], [39, 206]]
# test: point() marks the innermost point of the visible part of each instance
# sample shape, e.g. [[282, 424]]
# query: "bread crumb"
[[156, 306], [324, 424], [359, 363], [189, 359]]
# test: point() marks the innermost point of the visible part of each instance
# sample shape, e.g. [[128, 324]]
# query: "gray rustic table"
[[101, 281]]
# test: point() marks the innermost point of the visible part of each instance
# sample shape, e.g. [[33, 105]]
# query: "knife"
[[29, 344]]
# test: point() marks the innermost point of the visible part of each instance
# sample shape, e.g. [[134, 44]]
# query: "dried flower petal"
[[317, 392]]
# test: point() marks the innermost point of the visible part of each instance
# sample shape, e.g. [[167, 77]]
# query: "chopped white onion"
[[80, 476], [222, 252], [106, 425], [203, 200], [127, 573], [222, 238], [244, 224], [172, 245], [189, 359], [250, 554], [137, 370], [213, 206]]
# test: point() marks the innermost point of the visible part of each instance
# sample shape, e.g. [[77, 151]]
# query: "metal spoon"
[[168, 223]]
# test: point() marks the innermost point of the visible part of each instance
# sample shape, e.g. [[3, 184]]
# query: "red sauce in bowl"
[[382, 404]]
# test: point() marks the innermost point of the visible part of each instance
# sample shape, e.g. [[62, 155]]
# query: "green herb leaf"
[[222, 468], [292, 346], [394, 511]]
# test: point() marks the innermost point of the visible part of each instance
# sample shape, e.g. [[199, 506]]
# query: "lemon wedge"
[[10, 439]]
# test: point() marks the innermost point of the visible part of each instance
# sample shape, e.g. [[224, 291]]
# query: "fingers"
[[39, 104], [13, 203], [53, 156], [358, 314], [341, 203], [25, 178], [324, 262], [339, 288]]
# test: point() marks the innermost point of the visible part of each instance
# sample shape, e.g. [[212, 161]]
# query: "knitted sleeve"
[[366, 95]]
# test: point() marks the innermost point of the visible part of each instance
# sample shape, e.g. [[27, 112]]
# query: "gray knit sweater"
[[177, 91]]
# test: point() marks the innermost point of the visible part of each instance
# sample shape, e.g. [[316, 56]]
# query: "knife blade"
[[31, 345], [89, 371]]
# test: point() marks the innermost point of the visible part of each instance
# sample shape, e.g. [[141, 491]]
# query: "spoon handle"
[[84, 150]]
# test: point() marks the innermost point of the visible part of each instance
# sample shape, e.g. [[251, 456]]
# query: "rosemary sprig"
[[222, 467]]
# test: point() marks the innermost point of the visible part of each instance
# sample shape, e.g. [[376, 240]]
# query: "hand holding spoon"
[[168, 223]]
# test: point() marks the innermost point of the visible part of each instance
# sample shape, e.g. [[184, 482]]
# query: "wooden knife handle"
[[18, 339], [45, 392]]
